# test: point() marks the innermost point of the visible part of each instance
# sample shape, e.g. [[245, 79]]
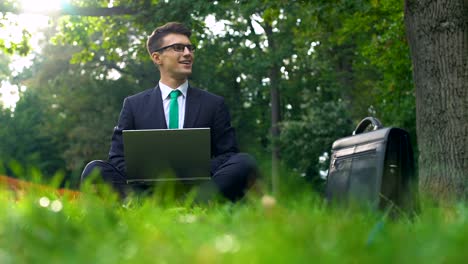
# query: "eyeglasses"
[[178, 47]]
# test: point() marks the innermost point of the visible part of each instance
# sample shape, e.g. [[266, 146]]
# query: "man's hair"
[[155, 39]]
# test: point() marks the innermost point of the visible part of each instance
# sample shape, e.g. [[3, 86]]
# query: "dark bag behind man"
[[374, 168]]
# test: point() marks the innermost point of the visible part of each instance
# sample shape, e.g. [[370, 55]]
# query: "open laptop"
[[167, 155]]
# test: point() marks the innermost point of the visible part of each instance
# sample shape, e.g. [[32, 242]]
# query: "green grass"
[[301, 228]]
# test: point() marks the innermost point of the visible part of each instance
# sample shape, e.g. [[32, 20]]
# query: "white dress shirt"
[[166, 98]]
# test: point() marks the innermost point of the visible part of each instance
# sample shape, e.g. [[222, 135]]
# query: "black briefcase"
[[374, 167]]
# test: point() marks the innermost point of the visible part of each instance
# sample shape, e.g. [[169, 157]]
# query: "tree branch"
[[97, 11], [86, 11]]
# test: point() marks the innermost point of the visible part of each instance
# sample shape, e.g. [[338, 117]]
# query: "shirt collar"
[[166, 90]]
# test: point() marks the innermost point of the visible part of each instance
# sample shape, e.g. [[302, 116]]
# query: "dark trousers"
[[231, 179]]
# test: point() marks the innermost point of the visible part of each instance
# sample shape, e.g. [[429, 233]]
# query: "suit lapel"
[[192, 107], [158, 119]]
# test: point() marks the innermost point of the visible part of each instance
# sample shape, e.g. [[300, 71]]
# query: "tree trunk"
[[274, 75], [437, 32], [275, 132]]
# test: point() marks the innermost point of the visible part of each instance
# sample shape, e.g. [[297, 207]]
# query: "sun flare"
[[34, 15], [40, 5]]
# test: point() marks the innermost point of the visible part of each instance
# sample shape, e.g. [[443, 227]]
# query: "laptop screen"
[[167, 154]]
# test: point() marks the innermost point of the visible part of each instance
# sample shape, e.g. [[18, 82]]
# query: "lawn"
[[42, 227]]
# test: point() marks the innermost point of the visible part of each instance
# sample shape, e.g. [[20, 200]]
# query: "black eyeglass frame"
[[190, 47]]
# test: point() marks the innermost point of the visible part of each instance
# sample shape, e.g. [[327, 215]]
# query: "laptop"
[[155, 155]]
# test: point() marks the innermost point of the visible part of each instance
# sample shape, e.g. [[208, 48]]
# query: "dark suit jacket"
[[202, 109]]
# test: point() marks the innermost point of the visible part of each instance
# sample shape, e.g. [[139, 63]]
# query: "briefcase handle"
[[365, 123]]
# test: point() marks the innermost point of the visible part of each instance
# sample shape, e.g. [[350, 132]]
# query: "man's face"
[[174, 64]]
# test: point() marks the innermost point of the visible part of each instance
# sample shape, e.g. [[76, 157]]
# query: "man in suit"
[[173, 54]]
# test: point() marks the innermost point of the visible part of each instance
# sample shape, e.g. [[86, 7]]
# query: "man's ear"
[[156, 57]]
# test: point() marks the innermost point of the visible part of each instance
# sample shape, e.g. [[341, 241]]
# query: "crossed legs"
[[232, 178]]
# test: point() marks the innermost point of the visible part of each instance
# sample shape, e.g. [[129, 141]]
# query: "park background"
[[296, 75]]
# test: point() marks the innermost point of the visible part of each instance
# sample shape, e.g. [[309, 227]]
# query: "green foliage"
[[4, 66], [312, 136], [9, 44], [8, 6], [43, 228], [383, 51], [26, 137]]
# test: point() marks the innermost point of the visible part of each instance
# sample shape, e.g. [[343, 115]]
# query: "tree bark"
[[437, 32]]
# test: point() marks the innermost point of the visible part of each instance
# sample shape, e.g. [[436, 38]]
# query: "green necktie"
[[174, 110]]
